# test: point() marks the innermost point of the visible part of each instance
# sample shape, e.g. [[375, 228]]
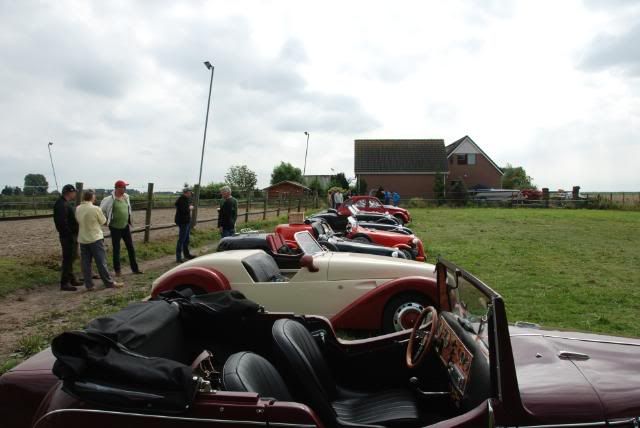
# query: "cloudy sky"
[[120, 89]]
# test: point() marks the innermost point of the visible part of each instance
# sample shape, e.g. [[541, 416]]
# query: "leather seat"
[[249, 372], [336, 406], [262, 268]]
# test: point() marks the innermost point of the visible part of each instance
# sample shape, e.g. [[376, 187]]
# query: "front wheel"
[[400, 219], [402, 311]]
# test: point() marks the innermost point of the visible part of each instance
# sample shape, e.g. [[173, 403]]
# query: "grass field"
[[570, 269]]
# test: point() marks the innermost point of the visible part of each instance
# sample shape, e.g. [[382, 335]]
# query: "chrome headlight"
[[414, 242], [394, 254]]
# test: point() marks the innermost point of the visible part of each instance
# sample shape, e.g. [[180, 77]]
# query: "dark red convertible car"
[[410, 245], [373, 204], [218, 361]]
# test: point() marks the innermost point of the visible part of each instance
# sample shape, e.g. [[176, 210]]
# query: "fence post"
[[622, 198], [545, 196], [279, 203], [194, 215], [299, 204], [264, 206], [288, 204], [315, 200], [147, 217], [79, 186], [246, 214]]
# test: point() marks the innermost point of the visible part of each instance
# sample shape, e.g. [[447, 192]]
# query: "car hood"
[[577, 377], [352, 266]]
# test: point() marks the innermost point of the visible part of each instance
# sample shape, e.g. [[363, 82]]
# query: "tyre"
[[401, 311], [408, 254], [400, 219], [362, 239]]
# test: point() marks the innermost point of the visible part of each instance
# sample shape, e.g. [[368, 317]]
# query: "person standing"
[[396, 198], [338, 199], [183, 220], [228, 213], [65, 219], [380, 193], [90, 219], [387, 197], [117, 209]]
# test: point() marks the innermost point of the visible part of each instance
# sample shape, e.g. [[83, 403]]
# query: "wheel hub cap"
[[406, 315]]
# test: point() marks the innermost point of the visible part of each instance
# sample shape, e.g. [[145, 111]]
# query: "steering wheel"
[[424, 338]]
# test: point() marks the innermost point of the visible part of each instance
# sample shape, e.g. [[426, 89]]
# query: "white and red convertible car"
[[355, 291]]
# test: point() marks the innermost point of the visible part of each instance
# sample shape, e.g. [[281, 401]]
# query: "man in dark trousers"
[[183, 220], [117, 209], [228, 213], [67, 226]]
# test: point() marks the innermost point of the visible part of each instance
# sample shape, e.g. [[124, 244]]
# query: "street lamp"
[[52, 167], [304, 171], [204, 140]]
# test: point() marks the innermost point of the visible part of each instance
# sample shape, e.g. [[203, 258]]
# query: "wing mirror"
[[307, 261]]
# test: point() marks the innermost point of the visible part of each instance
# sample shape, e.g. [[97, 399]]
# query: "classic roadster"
[[409, 244], [216, 360], [288, 257], [371, 220], [373, 204], [356, 291]]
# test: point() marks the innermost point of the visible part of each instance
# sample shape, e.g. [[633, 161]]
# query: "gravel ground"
[[39, 238]]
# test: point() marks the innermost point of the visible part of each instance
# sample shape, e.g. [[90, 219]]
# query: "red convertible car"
[[373, 204], [219, 361], [409, 244]]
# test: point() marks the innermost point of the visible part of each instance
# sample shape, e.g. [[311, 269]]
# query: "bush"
[[417, 203]]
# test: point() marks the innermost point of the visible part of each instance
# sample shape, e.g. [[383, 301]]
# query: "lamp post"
[[204, 140], [304, 171], [52, 167]]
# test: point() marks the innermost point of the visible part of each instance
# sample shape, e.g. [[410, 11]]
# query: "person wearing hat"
[[183, 220], [67, 226], [117, 209]]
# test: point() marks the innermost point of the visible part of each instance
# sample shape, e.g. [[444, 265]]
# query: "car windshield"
[[307, 243], [469, 301]]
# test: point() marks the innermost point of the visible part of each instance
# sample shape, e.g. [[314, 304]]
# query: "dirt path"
[[20, 309]]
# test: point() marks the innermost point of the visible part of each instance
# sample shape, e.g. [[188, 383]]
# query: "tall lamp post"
[[304, 171], [52, 167], [204, 140]]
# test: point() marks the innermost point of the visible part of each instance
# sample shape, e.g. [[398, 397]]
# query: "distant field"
[[562, 268]]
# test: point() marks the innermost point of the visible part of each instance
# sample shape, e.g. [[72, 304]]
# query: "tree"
[[438, 188], [459, 193], [17, 191], [316, 187], [241, 177], [211, 191], [516, 178], [35, 184], [339, 180], [286, 172], [7, 191]]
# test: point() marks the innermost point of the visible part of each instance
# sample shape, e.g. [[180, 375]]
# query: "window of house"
[[462, 159], [471, 158]]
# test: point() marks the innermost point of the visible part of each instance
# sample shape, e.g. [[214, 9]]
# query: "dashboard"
[[455, 356]]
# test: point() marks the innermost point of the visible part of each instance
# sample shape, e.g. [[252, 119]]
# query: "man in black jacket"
[[228, 213], [67, 226], [183, 220]]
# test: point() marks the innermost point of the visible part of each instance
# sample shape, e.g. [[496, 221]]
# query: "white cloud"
[[121, 90]]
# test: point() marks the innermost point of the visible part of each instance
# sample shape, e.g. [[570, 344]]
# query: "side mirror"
[[307, 262]]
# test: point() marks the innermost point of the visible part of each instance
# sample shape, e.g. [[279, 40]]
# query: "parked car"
[[355, 291], [407, 243], [288, 257], [373, 204], [461, 365], [338, 222]]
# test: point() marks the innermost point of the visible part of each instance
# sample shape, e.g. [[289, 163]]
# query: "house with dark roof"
[[470, 164], [408, 167], [286, 189]]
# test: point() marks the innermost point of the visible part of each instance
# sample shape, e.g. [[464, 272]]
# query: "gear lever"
[[415, 384]]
